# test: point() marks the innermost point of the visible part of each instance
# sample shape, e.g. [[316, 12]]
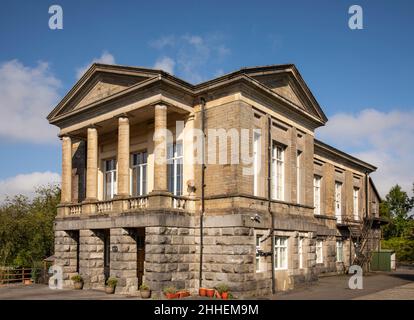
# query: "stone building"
[[281, 209]]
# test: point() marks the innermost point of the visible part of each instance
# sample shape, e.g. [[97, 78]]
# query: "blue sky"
[[356, 75]]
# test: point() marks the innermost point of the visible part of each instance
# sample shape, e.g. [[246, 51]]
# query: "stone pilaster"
[[91, 266], [92, 165], [66, 196], [329, 189], [66, 253], [123, 157]]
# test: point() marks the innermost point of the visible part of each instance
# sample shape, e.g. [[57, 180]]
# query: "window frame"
[[300, 252], [256, 162], [338, 200], [319, 248], [175, 161], [278, 252], [141, 167], [278, 171], [355, 203], [339, 251], [258, 259], [113, 177], [317, 187], [299, 156]]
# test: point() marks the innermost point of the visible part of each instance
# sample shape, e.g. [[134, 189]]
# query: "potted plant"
[[145, 291], [77, 282], [210, 293], [223, 291], [202, 292], [111, 285], [183, 293], [170, 292]]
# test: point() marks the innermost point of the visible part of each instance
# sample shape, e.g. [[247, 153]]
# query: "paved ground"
[[377, 286], [393, 285]]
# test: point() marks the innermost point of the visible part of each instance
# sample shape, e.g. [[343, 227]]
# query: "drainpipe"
[[203, 168], [366, 195], [269, 205]]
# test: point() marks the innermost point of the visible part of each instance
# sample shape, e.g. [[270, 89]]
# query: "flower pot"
[[217, 294], [110, 290], [210, 293], [202, 292], [184, 294], [145, 294], [78, 285], [225, 295], [171, 295], [28, 281]]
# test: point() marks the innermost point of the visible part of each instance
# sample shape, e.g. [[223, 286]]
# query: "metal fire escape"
[[361, 233]]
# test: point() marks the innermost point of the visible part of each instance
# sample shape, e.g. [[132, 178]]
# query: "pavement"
[[376, 286]]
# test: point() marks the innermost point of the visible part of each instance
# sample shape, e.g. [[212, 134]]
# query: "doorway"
[[107, 253], [140, 242]]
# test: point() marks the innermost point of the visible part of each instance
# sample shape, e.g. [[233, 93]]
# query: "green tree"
[[395, 209], [26, 227]]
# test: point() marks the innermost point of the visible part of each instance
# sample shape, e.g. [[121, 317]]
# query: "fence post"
[[23, 275]]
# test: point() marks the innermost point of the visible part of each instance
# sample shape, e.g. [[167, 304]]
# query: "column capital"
[[160, 106]]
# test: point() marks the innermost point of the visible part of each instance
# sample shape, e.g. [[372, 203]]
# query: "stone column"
[[66, 170], [123, 157], [188, 170], [160, 148], [92, 165]]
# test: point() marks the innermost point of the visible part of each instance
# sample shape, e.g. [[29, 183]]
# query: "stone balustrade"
[[138, 203], [104, 206]]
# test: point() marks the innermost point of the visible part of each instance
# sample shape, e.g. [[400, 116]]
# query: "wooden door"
[[140, 240]]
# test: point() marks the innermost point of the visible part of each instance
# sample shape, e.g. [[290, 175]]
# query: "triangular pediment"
[[98, 83], [287, 83]]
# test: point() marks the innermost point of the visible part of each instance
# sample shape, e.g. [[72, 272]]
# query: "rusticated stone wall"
[[66, 254]]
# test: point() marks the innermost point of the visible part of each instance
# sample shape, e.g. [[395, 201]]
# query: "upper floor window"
[[356, 206], [338, 201], [110, 179], [139, 173], [278, 171], [281, 256], [317, 194], [256, 162], [299, 176], [175, 168], [319, 251]]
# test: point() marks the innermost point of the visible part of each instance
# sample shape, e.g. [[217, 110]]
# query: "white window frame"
[[338, 201], [112, 174], [281, 253], [317, 194], [256, 162], [300, 251], [319, 251], [278, 171], [141, 167], [299, 176], [356, 203], [175, 161], [339, 251], [259, 259]]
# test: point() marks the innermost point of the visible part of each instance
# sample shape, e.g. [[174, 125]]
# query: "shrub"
[[112, 282], [76, 278], [222, 288], [171, 290], [403, 247], [144, 287]]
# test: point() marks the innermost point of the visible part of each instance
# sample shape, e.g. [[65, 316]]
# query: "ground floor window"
[[281, 252], [339, 251], [319, 251], [259, 264], [300, 252]]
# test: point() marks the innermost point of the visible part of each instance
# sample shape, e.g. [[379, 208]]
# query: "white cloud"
[[26, 183], [106, 57], [194, 56], [27, 95], [384, 139], [165, 63]]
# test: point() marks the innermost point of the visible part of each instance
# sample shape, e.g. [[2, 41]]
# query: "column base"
[[159, 199]]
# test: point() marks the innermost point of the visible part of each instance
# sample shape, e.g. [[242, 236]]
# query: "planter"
[[225, 295], [110, 290], [210, 293], [145, 294], [184, 294], [172, 295], [78, 285], [28, 281], [202, 292]]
